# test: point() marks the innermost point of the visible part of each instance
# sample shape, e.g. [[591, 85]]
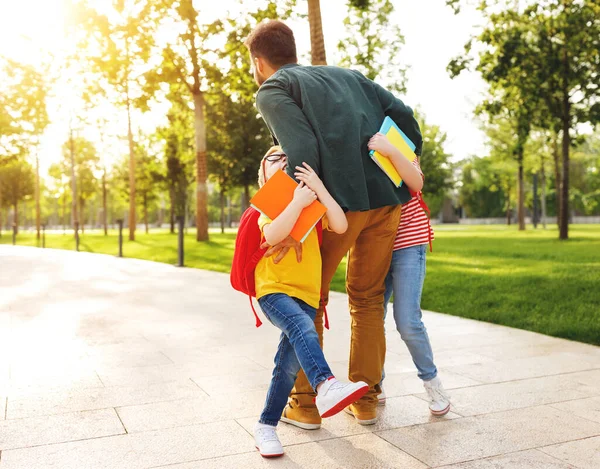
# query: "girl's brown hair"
[[261, 169]]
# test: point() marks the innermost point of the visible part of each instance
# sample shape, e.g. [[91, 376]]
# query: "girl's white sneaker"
[[266, 441], [439, 401]]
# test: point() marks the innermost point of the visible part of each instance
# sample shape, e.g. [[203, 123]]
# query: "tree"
[[23, 116], [317, 42], [83, 155], [17, 182], [560, 43], [435, 163], [147, 177], [372, 43], [179, 155], [243, 131], [185, 63], [122, 41]]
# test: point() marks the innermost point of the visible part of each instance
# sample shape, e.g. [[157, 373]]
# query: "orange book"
[[276, 195]]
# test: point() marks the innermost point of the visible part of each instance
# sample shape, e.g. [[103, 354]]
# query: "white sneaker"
[[266, 441], [381, 397], [334, 395], [439, 401]]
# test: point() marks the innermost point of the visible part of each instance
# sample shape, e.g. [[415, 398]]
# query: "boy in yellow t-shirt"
[[289, 294]]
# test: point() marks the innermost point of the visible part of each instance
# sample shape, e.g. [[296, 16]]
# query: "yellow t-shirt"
[[299, 280]]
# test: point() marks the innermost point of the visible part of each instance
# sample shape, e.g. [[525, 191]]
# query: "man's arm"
[[402, 115], [288, 125]]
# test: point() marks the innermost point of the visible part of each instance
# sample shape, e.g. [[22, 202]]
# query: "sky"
[[30, 29]]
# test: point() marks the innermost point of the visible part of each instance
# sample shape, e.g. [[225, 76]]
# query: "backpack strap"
[[258, 321], [423, 205], [319, 228], [325, 317]]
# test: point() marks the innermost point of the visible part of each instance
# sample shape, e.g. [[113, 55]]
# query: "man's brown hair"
[[274, 41]]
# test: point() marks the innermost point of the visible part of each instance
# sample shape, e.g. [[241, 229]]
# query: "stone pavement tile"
[[401, 384], [191, 411], [551, 345], [31, 384], [99, 398], [462, 440], [585, 408], [517, 394], [120, 356], [136, 451], [530, 459], [22, 433], [228, 384], [164, 373], [524, 368], [583, 454], [444, 339], [361, 451], [398, 412]]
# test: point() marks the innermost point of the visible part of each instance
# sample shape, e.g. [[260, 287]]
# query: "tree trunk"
[[521, 192], [564, 196], [229, 211], [246, 198], [131, 173], [74, 218], [222, 201], [557, 178], [0, 209], [16, 217], [82, 216], [146, 211], [317, 42], [201, 171], [104, 211], [566, 143], [37, 196], [172, 210], [543, 183]]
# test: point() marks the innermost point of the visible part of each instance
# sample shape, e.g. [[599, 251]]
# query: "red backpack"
[[248, 253]]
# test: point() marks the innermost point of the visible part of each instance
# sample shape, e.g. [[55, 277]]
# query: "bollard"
[[14, 234], [77, 236], [120, 222], [43, 236], [180, 242]]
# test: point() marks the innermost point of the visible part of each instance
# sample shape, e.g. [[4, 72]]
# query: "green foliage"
[[23, 113], [372, 43], [435, 162], [542, 66], [16, 182], [483, 188], [178, 146]]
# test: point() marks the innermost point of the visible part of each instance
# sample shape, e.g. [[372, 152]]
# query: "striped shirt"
[[414, 228]]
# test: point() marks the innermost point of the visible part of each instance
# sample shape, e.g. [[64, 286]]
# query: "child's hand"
[[308, 176], [304, 196], [380, 143]]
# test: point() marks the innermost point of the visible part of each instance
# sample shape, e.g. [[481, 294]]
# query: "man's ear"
[[259, 63]]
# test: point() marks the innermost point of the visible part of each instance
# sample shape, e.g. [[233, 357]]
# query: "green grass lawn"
[[528, 280]]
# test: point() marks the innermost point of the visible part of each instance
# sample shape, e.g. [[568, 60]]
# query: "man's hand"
[[281, 249]]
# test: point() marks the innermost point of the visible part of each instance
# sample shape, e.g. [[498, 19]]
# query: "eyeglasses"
[[274, 157]]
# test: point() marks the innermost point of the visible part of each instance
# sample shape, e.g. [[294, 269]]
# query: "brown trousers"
[[368, 241]]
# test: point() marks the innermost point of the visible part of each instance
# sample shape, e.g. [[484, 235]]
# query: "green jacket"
[[325, 116]]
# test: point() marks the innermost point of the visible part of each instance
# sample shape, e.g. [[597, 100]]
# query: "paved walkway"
[[119, 363]]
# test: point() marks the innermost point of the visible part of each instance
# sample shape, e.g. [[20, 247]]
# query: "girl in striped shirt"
[[407, 274]]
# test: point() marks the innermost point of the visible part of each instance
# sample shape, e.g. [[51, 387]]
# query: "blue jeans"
[[298, 347], [405, 280]]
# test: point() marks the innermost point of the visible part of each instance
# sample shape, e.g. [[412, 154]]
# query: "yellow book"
[[401, 142]]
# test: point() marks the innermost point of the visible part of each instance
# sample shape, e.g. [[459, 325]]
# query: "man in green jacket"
[[325, 116]]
